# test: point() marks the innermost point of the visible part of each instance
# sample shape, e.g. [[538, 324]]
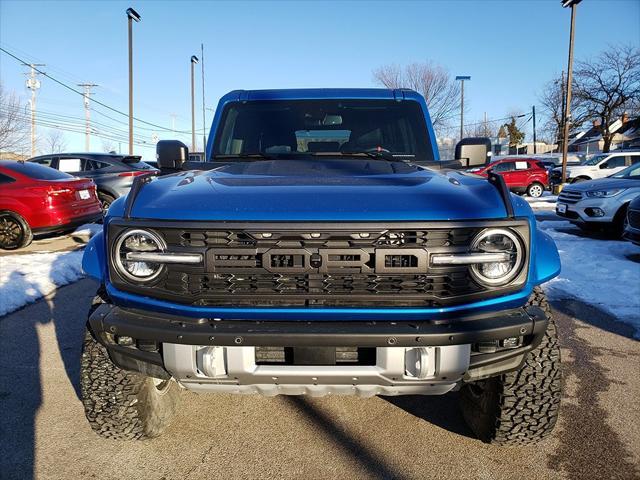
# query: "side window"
[[94, 165], [71, 165], [504, 167], [4, 179], [615, 162], [633, 159], [46, 161]]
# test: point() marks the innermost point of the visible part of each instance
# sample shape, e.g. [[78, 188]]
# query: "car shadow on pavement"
[[22, 371], [372, 464], [588, 445], [439, 410]]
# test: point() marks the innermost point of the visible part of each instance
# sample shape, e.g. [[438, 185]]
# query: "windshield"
[[285, 128], [630, 172], [594, 160]]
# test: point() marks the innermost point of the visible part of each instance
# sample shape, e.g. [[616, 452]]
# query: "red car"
[[39, 199], [520, 174]]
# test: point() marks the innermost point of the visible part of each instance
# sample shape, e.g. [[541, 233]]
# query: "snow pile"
[[599, 272], [545, 202], [26, 278]]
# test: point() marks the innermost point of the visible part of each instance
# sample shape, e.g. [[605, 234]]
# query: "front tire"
[[120, 404], [15, 232], [521, 407], [105, 201]]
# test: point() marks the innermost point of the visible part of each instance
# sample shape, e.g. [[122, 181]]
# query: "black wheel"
[[620, 222], [120, 404], [105, 200], [14, 231], [521, 407], [535, 190]]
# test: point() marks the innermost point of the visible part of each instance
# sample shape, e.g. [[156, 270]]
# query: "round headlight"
[[497, 240], [133, 241]]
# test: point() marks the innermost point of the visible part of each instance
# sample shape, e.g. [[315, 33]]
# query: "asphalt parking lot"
[[44, 433]]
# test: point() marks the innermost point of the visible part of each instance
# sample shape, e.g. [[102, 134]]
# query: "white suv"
[[599, 166]]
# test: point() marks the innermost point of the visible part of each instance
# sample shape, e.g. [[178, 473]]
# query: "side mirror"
[[171, 154], [474, 151], [604, 165]]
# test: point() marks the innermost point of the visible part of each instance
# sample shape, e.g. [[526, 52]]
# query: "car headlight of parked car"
[[612, 192], [507, 260], [127, 258]]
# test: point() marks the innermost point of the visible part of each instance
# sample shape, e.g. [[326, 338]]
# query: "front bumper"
[[590, 210], [453, 351]]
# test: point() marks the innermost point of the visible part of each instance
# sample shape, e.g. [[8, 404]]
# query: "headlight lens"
[[137, 241], [612, 192], [498, 240]]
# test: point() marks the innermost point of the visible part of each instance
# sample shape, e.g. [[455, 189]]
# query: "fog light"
[[420, 362], [211, 361], [594, 212], [124, 341]]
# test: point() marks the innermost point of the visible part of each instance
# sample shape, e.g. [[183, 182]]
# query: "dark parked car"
[[632, 227], [38, 199], [113, 174]]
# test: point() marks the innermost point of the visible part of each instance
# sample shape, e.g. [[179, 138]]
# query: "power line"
[[81, 93]]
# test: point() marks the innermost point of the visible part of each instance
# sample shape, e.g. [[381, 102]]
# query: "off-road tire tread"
[[120, 404], [521, 407]]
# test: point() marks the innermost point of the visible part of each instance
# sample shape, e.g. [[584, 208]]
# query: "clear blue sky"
[[510, 48]]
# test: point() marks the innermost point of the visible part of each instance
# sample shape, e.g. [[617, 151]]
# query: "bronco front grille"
[[316, 265]]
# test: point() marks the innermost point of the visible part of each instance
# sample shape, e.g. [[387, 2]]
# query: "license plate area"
[[84, 194], [561, 208]]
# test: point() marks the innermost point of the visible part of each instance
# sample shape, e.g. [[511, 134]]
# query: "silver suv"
[[601, 203]]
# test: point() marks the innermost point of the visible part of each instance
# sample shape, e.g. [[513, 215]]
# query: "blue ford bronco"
[[322, 248]]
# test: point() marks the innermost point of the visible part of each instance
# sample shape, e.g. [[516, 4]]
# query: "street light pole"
[[132, 16], [194, 60], [462, 78], [567, 104]]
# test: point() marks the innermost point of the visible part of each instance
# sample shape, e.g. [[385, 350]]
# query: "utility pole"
[[173, 121], [204, 119], [462, 79], [132, 16], [194, 60], [87, 115], [560, 133], [567, 106], [533, 108], [33, 84]]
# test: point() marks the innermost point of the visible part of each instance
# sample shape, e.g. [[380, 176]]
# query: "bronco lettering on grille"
[[318, 260]]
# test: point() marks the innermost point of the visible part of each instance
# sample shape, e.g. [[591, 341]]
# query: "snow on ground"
[[596, 271], [546, 202], [24, 278]]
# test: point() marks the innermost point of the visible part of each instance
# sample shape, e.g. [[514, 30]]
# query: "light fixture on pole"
[[194, 61], [132, 16], [567, 103], [462, 79]]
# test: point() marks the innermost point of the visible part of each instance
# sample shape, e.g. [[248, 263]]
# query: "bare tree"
[[552, 99], [433, 81], [482, 128], [13, 126], [607, 84], [55, 141], [108, 146]]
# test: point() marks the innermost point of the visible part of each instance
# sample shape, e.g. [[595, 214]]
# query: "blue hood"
[[319, 190]]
